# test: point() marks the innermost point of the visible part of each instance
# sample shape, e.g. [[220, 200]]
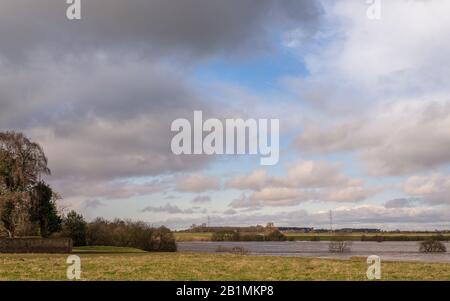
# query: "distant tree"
[[43, 210], [270, 226], [226, 236], [339, 245], [276, 235], [75, 227], [165, 239]]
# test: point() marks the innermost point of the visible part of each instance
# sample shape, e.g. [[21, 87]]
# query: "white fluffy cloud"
[[257, 180], [304, 181], [393, 139], [197, 183], [391, 74], [434, 189]]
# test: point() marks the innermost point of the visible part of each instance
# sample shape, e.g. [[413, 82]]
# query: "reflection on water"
[[391, 251]]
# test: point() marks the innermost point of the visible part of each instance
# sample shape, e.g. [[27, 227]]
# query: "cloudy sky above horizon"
[[364, 107]]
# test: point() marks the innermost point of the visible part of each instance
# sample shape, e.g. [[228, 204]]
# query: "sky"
[[363, 104]]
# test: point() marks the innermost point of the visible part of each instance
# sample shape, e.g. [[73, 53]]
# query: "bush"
[[120, 233], [239, 251], [226, 236], [234, 250], [276, 236], [432, 246], [315, 238], [339, 246], [165, 240]]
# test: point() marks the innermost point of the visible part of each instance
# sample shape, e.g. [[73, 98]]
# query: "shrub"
[[235, 250], [276, 236], [165, 240], [339, 246], [120, 233], [432, 246], [239, 251]]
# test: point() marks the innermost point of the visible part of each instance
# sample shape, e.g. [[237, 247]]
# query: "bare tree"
[[432, 245], [22, 163], [339, 246]]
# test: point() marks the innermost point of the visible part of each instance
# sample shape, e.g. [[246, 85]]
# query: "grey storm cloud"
[[201, 199], [173, 209], [93, 204], [99, 94], [112, 117], [192, 27], [401, 203]]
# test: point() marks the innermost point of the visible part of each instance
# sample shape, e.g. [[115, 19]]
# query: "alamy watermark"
[[73, 12], [235, 137], [74, 269], [374, 269], [374, 9]]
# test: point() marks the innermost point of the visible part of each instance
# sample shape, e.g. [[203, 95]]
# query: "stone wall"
[[35, 245]]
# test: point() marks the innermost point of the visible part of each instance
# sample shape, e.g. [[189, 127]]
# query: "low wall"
[[35, 245]]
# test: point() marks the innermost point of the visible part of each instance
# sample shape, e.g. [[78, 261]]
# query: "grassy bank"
[[187, 266]]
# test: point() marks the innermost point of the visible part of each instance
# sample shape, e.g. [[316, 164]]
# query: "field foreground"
[[193, 266]]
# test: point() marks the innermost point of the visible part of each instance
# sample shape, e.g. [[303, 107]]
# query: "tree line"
[[28, 205]]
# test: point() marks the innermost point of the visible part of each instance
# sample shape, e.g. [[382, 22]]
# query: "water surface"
[[389, 251]]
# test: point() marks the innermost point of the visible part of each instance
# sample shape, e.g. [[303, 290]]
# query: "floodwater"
[[388, 251]]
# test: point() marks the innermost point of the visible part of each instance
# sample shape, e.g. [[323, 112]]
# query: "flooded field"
[[390, 251]]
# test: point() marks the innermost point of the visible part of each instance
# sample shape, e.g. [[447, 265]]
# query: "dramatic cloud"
[[105, 89], [111, 116], [185, 27], [99, 95], [108, 190], [356, 61]]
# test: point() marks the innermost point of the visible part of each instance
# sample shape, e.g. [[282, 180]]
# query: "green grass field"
[[184, 236], [105, 263]]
